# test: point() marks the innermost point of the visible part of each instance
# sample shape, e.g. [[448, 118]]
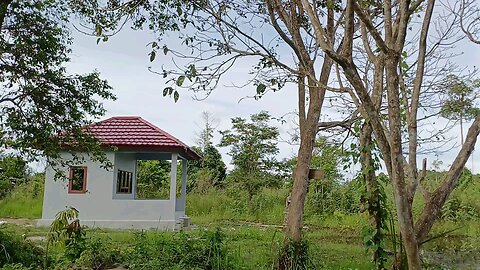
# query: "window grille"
[[124, 182]]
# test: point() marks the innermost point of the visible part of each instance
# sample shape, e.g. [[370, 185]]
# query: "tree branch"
[[371, 28]]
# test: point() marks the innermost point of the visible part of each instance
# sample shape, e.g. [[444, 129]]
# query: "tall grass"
[[25, 201], [267, 206]]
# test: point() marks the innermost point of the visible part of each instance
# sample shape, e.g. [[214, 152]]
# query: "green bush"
[[295, 256], [14, 249], [158, 251], [15, 266], [457, 210], [326, 197], [99, 254]]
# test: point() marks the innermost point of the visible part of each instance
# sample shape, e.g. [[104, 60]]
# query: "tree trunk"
[[308, 133], [402, 204], [300, 186]]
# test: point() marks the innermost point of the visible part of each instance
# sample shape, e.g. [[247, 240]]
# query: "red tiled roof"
[[135, 132]]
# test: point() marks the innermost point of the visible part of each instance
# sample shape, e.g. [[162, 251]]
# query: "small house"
[[107, 197]]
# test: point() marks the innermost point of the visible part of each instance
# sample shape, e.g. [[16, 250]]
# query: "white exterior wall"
[[100, 205]]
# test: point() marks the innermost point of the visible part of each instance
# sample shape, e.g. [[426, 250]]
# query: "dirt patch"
[[17, 221]]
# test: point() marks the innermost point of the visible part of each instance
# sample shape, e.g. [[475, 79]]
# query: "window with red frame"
[[77, 180]]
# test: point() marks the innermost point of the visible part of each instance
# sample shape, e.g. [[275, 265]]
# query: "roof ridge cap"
[[132, 117]]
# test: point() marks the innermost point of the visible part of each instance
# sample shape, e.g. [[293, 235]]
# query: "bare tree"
[[205, 135], [388, 24], [468, 15]]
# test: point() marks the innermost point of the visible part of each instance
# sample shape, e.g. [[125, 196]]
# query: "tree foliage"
[[253, 144], [461, 95], [210, 169], [41, 104], [153, 178], [13, 169]]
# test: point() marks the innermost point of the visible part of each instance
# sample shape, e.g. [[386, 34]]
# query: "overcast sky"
[[124, 62]]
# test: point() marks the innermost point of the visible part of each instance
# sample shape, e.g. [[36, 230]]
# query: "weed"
[[14, 249]]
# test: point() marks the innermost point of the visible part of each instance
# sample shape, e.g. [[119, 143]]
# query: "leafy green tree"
[[42, 106], [12, 169], [460, 104], [253, 145]]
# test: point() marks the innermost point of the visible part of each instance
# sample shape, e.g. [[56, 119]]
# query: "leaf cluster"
[[43, 107]]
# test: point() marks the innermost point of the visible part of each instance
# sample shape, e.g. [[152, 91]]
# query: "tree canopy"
[[41, 104], [461, 95], [253, 144]]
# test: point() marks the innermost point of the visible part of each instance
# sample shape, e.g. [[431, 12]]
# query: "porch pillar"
[[183, 196], [173, 180]]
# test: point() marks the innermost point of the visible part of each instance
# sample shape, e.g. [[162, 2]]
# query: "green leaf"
[[176, 96], [180, 80], [98, 30], [165, 49], [165, 91], [193, 70], [152, 56], [261, 88]]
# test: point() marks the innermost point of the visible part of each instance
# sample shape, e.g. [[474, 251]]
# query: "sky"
[[124, 62]]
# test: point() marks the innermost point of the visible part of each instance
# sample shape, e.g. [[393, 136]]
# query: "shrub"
[[16, 266], [327, 197], [456, 210], [159, 251], [295, 256], [98, 254], [14, 249]]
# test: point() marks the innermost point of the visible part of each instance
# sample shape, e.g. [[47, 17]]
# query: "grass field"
[[252, 233]]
